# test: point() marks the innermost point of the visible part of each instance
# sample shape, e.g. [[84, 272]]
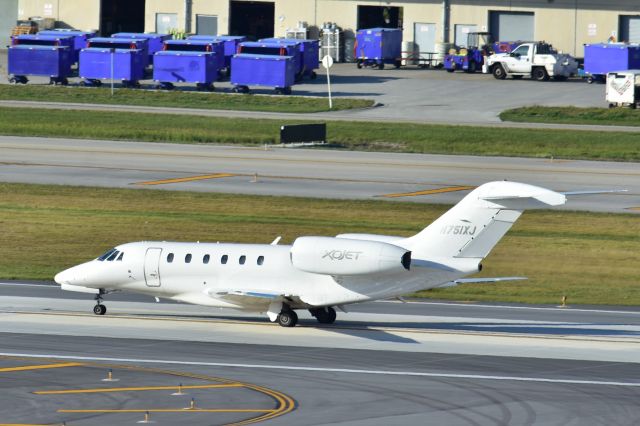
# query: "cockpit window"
[[120, 257], [106, 255], [113, 256]]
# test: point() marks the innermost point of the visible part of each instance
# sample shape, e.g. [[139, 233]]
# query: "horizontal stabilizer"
[[480, 281]]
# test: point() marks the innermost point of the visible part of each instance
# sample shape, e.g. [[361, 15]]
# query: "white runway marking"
[[28, 285], [332, 370], [532, 308]]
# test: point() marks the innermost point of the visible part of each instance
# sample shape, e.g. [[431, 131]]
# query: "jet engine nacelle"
[[339, 256]]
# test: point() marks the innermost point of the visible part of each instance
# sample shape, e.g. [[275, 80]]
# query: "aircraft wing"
[[479, 281], [258, 297]]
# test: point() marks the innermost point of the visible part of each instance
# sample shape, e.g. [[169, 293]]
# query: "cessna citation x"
[[315, 273]]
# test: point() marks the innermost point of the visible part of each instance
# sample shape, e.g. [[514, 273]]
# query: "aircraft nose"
[[62, 277]]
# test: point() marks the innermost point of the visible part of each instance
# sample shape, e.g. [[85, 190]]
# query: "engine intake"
[[339, 256]]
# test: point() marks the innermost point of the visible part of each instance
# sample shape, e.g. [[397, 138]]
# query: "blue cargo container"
[[274, 49], [214, 47], [202, 68], [122, 44], [44, 40], [600, 59], [262, 70], [96, 65], [230, 44], [378, 46], [79, 38], [156, 41], [308, 50], [47, 61]]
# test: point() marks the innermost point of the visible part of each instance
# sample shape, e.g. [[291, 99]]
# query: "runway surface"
[[382, 363], [305, 172]]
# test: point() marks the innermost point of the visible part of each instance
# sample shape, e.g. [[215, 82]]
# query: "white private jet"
[[315, 273]]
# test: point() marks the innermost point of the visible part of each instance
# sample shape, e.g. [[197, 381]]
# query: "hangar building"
[[567, 24]]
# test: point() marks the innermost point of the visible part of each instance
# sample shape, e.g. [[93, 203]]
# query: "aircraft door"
[[152, 267]]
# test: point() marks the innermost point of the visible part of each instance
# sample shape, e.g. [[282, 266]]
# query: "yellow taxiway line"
[[40, 367], [185, 179], [137, 389], [428, 192], [171, 410]]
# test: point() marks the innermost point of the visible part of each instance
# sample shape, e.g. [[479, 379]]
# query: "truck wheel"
[[540, 74], [499, 72]]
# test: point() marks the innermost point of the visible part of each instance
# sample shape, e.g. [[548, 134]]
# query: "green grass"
[[574, 115], [178, 99], [591, 258], [373, 136]]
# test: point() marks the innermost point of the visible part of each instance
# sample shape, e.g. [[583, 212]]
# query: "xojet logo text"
[[341, 254]]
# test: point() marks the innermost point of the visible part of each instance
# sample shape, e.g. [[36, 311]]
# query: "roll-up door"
[[630, 29], [511, 26]]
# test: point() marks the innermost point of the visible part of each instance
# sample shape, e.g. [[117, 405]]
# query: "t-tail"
[[471, 228]]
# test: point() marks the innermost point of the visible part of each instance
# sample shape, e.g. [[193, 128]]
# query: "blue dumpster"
[[275, 49], [602, 58], [96, 65], [378, 46], [48, 61], [79, 38], [123, 44], [156, 41], [308, 51], [44, 40], [230, 44], [202, 68], [262, 70]]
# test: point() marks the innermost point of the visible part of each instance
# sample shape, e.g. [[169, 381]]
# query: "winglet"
[[276, 241]]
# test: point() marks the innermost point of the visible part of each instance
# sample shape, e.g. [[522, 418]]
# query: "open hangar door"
[[629, 30], [118, 16], [511, 26], [254, 19], [379, 17]]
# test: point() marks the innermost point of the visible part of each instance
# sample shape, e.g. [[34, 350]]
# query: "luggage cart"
[[378, 46], [308, 52], [262, 70], [33, 60]]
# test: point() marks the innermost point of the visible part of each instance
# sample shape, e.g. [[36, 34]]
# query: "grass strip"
[[372, 136], [178, 99], [591, 258], [573, 115]]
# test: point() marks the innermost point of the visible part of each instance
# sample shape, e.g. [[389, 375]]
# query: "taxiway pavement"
[[380, 364], [305, 172]]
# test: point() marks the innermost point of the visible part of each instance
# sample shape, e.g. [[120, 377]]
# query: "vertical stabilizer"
[[471, 228]]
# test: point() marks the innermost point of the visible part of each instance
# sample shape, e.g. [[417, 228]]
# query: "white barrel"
[[408, 53]]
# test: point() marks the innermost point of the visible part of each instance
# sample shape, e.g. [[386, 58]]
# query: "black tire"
[[397, 64], [451, 70], [498, 72], [99, 309], [590, 80], [13, 80], [286, 90], [359, 64], [381, 66], [540, 74], [324, 316], [287, 319], [64, 82], [314, 75]]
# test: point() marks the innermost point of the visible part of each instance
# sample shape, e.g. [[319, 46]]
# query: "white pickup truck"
[[539, 61]]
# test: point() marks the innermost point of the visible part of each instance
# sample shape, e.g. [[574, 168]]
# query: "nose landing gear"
[[99, 309]]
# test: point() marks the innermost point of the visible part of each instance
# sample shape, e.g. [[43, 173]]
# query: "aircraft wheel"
[[99, 309], [287, 318], [323, 316]]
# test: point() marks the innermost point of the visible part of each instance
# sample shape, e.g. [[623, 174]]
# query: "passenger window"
[[170, 258], [187, 258], [224, 259], [113, 256], [205, 259], [260, 260], [243, 259], [120, 257]]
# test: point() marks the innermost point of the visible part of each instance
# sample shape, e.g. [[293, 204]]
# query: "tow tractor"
[[471, 58], [539, 61]]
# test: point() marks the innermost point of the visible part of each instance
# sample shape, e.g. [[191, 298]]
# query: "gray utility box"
[[623, 88]]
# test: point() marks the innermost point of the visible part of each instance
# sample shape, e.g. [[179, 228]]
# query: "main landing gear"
[[99, 309], [324, 315]]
